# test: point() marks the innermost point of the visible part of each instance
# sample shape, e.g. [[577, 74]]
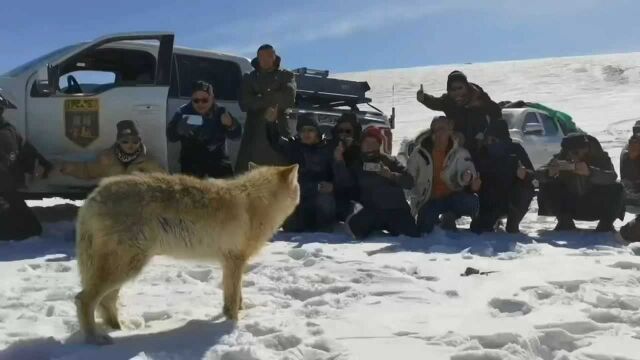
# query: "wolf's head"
[[273, 187]]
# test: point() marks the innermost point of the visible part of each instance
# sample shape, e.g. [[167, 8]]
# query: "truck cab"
[[69, 101]]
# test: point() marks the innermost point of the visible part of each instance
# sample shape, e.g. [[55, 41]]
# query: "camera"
[[371, 166], [566, 165]]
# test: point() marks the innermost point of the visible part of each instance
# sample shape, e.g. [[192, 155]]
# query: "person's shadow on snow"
[[190, 341]]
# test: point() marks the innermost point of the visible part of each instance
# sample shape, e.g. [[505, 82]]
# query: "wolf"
[[128, 219]]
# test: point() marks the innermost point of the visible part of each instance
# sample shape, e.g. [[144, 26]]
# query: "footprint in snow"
[[258, 330], [510, 306]]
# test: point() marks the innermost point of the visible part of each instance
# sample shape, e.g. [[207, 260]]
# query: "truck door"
[[72, 115]]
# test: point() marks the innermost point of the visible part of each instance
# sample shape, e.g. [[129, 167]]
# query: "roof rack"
[[315, 88]]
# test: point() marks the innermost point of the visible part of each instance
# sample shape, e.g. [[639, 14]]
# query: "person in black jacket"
[[203, 146], [580, 183], [17, 158], [266, 90], [507, 180], [468, 106], [630, 175], [347, 132], [316, 210], [379, 181]]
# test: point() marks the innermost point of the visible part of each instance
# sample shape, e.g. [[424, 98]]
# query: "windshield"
[[40, 60]]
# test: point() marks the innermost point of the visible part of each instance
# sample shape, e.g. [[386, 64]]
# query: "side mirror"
[[392, 118], [533, 129], [53, 76], [41, 88]]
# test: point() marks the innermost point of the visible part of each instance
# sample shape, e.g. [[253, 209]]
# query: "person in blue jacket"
[[203, 146], [316, 211]]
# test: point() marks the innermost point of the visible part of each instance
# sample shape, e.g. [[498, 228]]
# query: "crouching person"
[[630, 175], [126, 156], [316, 210], [17, 158], [507, 180], [442, 171], [347, 132], [580, 183], [379, 181]]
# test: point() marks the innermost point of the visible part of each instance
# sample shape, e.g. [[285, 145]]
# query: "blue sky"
[[341, 35]]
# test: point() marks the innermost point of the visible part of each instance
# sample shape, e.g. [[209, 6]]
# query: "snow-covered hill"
[[319, 296]]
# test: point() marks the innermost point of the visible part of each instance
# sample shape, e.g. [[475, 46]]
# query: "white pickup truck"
[[69, 101]]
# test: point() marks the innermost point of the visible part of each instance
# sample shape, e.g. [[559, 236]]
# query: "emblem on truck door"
[[81, 120]]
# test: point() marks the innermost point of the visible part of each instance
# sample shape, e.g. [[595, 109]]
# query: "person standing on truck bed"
[[17, 158], [203, 146], [126, 156], [467, 105], [265, 90]]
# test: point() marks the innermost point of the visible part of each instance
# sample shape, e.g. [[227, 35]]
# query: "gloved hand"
[[184, 129]]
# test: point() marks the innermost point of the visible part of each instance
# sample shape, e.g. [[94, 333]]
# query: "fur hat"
[[456, 76], [373, 132], [126, 128]]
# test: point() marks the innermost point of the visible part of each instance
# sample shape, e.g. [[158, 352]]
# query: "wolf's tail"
[[84, 243]]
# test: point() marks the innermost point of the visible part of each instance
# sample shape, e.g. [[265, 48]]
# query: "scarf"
[[126, 159]]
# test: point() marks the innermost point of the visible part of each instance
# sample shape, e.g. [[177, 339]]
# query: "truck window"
[[89, 80], [105, 68], [550, 126], [224, 75]]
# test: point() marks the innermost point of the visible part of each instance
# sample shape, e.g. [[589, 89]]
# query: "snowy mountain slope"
[[321, 296]]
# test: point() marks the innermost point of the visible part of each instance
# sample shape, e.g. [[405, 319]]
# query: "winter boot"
[[605, 226], [448, 222], [565, 224]]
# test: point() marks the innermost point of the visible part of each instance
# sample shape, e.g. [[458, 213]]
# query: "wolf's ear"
[[253, 165], [290, 174]]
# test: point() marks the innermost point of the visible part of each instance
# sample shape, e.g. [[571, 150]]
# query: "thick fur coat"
[[129, 219]]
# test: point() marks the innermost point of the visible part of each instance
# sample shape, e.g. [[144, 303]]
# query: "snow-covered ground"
[[321, 296]]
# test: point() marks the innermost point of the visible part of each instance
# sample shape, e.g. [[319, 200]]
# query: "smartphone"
[[371, 166], [195, 120], [566, 165]]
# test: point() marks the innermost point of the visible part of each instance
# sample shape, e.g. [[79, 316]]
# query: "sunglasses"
[[344, 131], [200, 100]]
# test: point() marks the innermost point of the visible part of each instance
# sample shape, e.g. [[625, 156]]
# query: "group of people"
[[464, 164]]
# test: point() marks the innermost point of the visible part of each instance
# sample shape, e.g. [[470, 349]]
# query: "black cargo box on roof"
[[315, 88]]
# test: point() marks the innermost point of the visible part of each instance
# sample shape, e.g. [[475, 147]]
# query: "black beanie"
[[456, 76], [307, 120], [202, 86], [498, 129], [127, 128], [575, 141], [265, 47]]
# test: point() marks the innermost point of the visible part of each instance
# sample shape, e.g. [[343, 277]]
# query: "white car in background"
[[539, 134]]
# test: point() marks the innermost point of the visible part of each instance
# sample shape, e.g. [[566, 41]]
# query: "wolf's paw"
[[230, 314], [114, 324], [99, 339]]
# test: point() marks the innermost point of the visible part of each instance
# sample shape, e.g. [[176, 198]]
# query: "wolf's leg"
[[86, 302], [109, 309], [112, 270], [233, 267]]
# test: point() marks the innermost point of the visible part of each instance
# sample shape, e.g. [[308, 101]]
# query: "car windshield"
[[39, 60]]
